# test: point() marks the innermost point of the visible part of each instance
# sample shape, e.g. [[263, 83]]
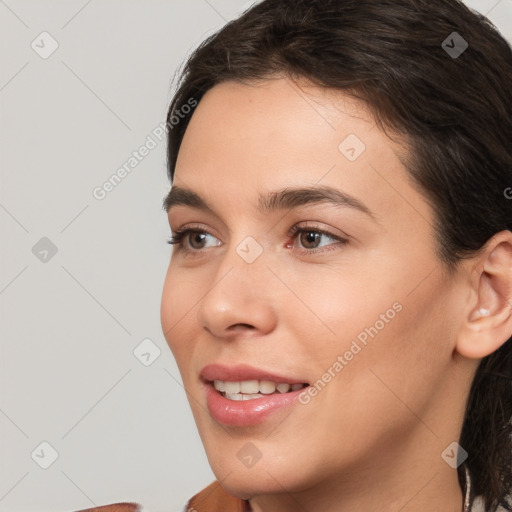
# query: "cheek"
[[177, 309], [376, 324], [335, 306], [394, 351]]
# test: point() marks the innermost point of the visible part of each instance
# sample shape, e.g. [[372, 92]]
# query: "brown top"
[[211, 499], [215, 498], [115, 507]]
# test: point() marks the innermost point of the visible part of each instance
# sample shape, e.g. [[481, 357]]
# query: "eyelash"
[[180, 235]]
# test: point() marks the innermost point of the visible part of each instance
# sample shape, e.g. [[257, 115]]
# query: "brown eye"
[[196, 239], [192, 240], [310, 239]]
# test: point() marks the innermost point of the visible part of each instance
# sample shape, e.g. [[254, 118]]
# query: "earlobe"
[[489, 321]]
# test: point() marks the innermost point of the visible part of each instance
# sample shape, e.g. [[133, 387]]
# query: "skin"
[[372, 439]]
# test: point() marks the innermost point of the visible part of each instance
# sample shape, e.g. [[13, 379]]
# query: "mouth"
[[253, 389], [242, 395]]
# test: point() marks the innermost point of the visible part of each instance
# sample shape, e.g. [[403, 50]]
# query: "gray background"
[[70, 321]]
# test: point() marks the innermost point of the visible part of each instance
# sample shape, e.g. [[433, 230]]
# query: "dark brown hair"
[[454, 111]]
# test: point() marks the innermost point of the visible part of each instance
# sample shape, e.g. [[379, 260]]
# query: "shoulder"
[[121, 507], [214, 498], [115, 507]]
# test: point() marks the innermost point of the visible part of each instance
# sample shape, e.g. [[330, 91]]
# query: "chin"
[[264, 477], [247, 484]]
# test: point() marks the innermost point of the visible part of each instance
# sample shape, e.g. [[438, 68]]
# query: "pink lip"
[[241, 372], [246, 412]]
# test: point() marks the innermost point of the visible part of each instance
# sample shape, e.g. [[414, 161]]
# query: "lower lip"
[[243, 413]]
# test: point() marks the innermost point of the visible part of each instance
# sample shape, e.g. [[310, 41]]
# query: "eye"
[[195, 238], [310, 239]]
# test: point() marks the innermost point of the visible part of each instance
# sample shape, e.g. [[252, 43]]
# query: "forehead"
[[278, 122], [287, 109], [246, 139]]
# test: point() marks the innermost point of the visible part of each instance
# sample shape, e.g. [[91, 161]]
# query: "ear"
[[488, 322]]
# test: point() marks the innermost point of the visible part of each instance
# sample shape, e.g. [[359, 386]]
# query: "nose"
[[239, 300]]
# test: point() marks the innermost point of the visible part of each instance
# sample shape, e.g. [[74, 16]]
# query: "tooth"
[[249, 386], [253, 387], [234, 396], [219, 385], [251, 396], [232, 387], [266, 387], [283, 388]]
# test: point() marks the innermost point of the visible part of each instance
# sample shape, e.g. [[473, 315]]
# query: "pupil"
[[198, 237], [311, 237]]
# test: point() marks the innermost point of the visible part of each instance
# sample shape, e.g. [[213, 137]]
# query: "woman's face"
[[357, 305]]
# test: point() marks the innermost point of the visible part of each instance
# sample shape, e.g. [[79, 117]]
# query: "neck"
[[387, 483]]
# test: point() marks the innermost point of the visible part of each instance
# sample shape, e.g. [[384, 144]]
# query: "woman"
[[339, 297]]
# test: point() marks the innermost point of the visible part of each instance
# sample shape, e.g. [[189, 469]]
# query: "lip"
[[244, 413], [242, 372]]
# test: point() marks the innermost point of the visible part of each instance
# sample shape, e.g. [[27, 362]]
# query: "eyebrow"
[[284, 199]]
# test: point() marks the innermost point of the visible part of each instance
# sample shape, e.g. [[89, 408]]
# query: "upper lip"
[[243, 372]]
